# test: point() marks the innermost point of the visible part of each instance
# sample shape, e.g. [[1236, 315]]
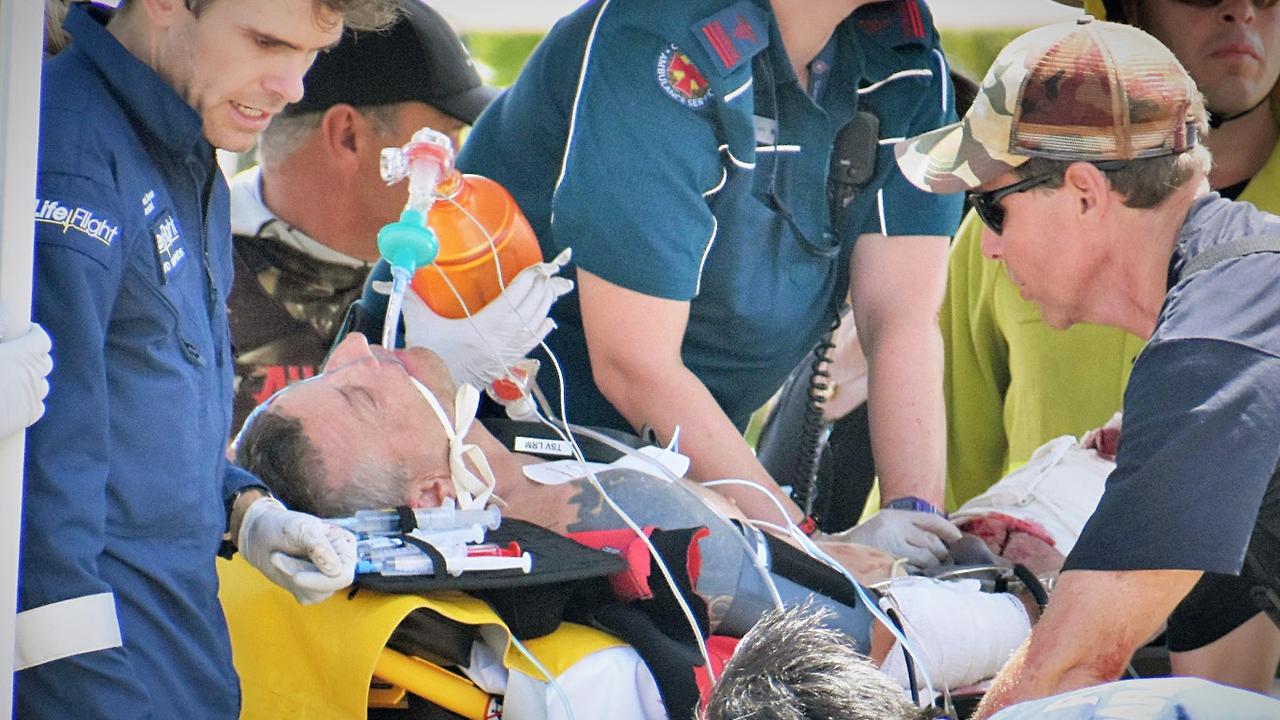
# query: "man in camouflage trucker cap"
[[1082, 155]]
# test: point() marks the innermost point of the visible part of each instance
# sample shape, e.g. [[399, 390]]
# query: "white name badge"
[[543, 446], [766, 130]]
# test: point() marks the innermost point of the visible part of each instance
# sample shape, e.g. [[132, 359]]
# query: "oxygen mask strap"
[[472, 492]]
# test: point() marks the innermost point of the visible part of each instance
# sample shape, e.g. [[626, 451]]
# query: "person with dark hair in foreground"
[[793, 667]]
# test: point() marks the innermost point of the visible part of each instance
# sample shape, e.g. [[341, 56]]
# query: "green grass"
[[971, 52], [503, 53]]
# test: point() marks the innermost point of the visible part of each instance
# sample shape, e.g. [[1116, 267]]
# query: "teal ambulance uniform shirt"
[[666, 143]]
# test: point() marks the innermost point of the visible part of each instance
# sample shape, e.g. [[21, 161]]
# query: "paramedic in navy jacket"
[[681, 149], [127, 494]]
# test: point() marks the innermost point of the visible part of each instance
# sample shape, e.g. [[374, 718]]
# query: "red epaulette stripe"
[[915, 23], [720, 41]]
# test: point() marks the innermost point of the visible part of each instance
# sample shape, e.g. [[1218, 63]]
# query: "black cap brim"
[[468, 104]]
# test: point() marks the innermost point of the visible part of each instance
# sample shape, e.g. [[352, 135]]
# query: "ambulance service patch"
[[680, 79], [169, 250]]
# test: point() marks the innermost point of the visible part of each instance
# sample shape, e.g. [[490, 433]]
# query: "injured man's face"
[[363, 422]]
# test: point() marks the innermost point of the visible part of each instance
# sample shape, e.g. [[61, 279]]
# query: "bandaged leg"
[[1034, 515], [963, 634]]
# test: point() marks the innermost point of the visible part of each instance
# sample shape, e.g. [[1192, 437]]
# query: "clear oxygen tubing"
[[488, 237], [551, 680], [758, 555], [392, 322], [395, 301], [806, 544], [813, 550], [595, 482], [409, 243], [578, 455]]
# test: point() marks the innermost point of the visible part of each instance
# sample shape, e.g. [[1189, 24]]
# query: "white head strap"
[[471, 491]]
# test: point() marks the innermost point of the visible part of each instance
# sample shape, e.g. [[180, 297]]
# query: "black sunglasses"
[[987, 204]]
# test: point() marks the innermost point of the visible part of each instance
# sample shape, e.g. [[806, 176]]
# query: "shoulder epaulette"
[[733, 35], [902, 22]]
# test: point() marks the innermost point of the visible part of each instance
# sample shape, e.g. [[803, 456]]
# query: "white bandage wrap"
[[1058, 489], [62, 629], [471, 491], [966, 635]]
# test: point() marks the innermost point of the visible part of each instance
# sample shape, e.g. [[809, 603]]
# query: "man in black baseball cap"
[[305, 221], [419, 58]]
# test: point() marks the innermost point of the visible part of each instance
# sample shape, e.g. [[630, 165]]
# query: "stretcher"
[[332, 660]]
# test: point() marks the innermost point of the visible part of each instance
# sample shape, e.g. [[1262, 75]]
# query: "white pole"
[[21, 42]]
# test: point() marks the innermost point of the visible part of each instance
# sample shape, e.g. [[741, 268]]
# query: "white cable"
[[818, 553], [755, 553], [626, 519], [747, 483], [790, 528], [872, 607], [627, 450], [577, 451], [917, 653], [767, 526], [493, 247], [564, 697]]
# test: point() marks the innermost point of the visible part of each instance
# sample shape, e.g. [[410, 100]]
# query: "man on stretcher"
[[364, 434]]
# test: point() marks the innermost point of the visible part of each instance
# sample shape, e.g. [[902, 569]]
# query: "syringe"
[[459, 560], [430, 520], [378, 546]]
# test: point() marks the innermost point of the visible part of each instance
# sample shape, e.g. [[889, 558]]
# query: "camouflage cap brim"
[[950, 159]]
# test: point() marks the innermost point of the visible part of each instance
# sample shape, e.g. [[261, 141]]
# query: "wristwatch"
[[911, 502], [227, 548]]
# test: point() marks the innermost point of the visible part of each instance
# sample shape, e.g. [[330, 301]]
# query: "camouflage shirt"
[[285, 306]]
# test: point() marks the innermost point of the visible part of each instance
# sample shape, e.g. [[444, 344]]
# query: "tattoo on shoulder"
[[648, 500]]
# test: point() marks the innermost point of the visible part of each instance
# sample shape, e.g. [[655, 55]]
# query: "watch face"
[[913, 503]]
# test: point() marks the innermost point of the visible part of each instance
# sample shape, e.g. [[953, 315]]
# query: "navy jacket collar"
[[151, 103]]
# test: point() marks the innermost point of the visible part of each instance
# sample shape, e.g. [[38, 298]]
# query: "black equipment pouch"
[[853, 161]]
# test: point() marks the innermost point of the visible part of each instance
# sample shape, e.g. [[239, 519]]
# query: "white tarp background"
[[21, 33]]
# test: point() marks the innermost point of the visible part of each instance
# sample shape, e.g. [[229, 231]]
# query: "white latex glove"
[[476, 349], [920, 537], [301, 553], [24, 363]]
